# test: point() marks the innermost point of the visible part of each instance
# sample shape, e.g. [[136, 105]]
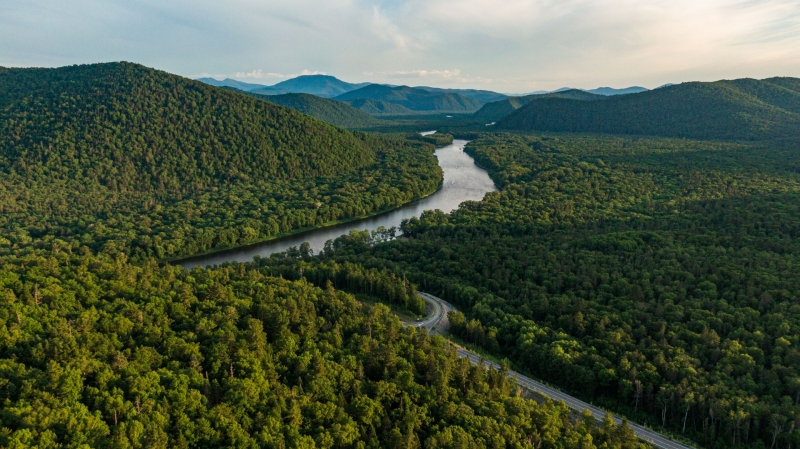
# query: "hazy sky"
[[507, 45]]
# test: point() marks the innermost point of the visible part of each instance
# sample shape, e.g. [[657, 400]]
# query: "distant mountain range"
[[374, 99], [381, 99], [320, 85], [741, 109], [227, 82], [412, 98]]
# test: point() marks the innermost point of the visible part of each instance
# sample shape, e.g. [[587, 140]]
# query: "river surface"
[[463, 181]]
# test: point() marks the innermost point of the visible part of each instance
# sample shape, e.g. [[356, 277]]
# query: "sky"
[[512, 46]]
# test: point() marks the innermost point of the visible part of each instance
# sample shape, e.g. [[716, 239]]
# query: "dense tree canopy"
[[336, 113], [744, 109], [658, 277], [95, 352], [496, 110], [134, 128], [125, 158], [107, 168], [414, 98]]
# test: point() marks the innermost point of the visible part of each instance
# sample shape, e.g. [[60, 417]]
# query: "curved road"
[[440, 307], [433, 319]]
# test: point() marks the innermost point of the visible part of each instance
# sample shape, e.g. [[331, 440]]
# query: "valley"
[[211, 264]]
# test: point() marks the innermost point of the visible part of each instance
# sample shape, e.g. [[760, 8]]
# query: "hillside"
[[740, 109], [320, 85], [131, 127], [141, 161], [336, 113], [378, 107], [414, 99], [781, 93], [785, 82], [484, 96], [494, 111]]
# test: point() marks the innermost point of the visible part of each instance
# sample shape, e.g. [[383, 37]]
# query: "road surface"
[[440, 308]]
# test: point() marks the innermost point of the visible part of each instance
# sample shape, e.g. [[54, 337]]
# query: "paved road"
[[435, 316], [644, 434]]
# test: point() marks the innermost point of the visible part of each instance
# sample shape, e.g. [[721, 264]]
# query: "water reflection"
[[463, 181]]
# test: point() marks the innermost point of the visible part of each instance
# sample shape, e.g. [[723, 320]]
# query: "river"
[[463, 181]]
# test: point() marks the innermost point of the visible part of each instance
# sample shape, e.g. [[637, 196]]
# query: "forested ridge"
[[336, 113], [415, 99], [116, 123], [125, 158], [498, 109], [744, 109], [377, 107], [657, 277]]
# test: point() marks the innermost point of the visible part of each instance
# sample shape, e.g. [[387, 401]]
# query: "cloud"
[[513, 45], [454, 75], [446, 74], [260, 74], [257, 74], [383, 28]]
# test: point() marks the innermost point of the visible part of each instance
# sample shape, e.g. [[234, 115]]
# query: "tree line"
[[653, 276]]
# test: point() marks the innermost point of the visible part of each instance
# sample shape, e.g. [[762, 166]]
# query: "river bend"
[[463, 181]]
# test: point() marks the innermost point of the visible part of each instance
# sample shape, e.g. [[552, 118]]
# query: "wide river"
[[463, 181]]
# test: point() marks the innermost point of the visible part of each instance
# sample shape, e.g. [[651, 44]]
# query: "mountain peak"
[[321, 85]]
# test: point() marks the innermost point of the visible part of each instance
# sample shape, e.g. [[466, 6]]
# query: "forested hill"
[[131, 127], [740, 110], [483, 96], [336, 113], [498, 109], [415, 99], [139, 161], [378, 107]]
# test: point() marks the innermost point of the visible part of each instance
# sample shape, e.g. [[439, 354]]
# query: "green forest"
[[336, 113], [378, 107], [656, 277], [108, 169], [743, 109], [653, 276], [96, 352], [414, 99], [496, 110], [123, 158]]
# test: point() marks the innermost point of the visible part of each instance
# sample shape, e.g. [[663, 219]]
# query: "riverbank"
[[296, 232], [462, 181]]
